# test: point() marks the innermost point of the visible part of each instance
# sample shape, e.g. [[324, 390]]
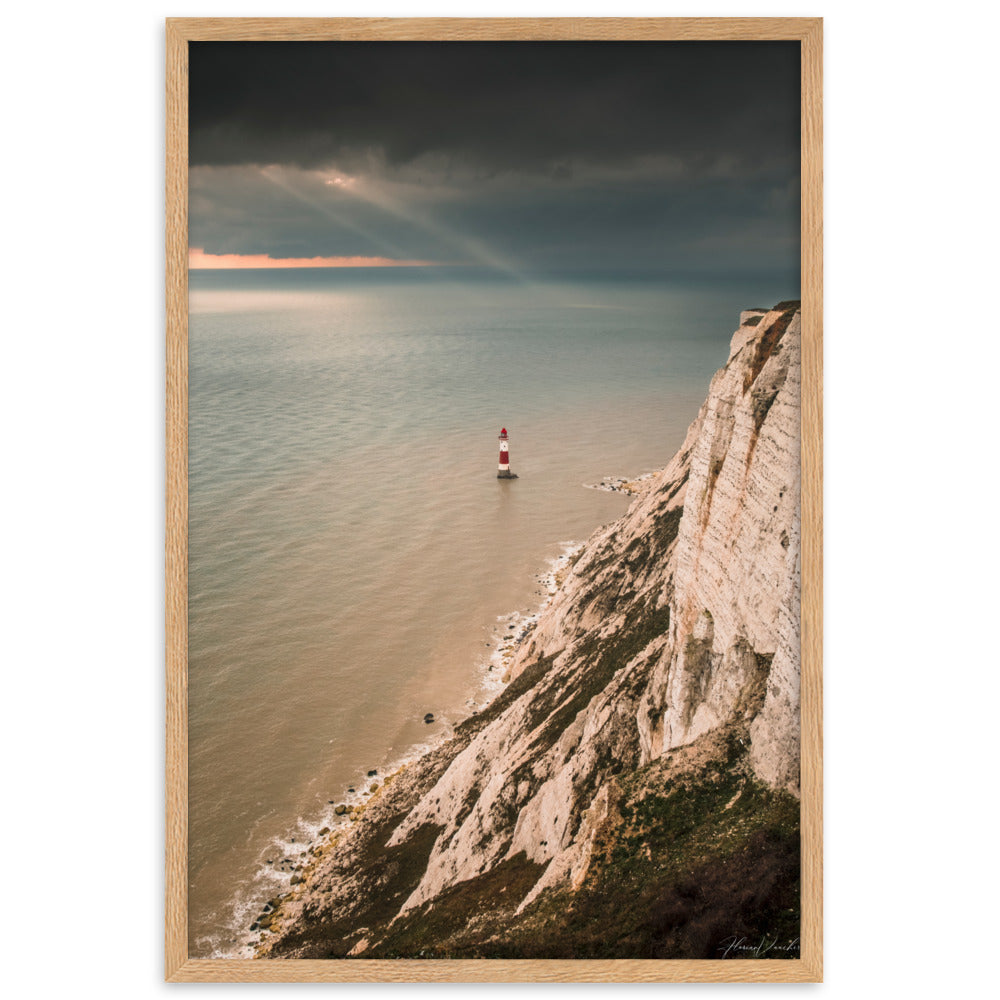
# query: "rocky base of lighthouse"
[[506, 475]]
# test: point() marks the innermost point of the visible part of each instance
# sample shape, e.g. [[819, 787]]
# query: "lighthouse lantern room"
[[503, 469]]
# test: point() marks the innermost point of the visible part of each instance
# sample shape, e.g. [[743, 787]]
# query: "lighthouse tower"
[[503, 469]]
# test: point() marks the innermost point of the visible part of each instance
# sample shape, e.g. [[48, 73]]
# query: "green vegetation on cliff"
[[696, 856]]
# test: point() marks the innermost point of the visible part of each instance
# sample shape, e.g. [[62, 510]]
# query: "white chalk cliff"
[[675, 622]]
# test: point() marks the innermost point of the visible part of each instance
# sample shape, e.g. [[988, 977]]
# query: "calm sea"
[[353, 557]]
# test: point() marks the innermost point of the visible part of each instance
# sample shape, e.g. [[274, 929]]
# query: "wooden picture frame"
[[179, 33]]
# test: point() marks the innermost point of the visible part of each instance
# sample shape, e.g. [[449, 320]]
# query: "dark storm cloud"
[[517, 156], [528, 105]]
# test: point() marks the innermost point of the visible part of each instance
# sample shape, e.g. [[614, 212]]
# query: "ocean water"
[[354, 562]]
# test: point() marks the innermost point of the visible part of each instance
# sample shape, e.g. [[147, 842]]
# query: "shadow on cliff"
[[698, 859]]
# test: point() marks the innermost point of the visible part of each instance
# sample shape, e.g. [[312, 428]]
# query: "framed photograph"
[[494, 515]]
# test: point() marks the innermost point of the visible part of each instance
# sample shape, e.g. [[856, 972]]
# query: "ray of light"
[[323, 207], [471, 246]]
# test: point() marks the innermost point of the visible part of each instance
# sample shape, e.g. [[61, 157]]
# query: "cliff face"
[[651, 725], [734, 632]]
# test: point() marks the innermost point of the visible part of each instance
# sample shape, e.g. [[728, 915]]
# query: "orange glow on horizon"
[[198, 260]]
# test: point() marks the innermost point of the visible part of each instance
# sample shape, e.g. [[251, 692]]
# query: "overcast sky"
[[522, 157]]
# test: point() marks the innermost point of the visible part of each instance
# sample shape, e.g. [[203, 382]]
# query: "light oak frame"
[[181, 31]]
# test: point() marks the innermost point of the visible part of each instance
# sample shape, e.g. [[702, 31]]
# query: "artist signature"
[[746, 948]]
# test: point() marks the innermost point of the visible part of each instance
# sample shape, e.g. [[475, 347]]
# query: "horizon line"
[[199, 260]]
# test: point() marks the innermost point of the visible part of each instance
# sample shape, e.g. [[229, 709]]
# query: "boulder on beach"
[[429, 718], [340, 810]]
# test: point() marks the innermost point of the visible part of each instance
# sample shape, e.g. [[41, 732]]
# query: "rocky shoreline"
[[633, 789], [623, 484], [509, 633]]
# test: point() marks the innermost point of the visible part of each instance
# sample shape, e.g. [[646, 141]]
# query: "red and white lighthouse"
[[503, 469]]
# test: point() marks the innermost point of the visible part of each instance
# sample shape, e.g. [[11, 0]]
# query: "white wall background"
[[911, 552]]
